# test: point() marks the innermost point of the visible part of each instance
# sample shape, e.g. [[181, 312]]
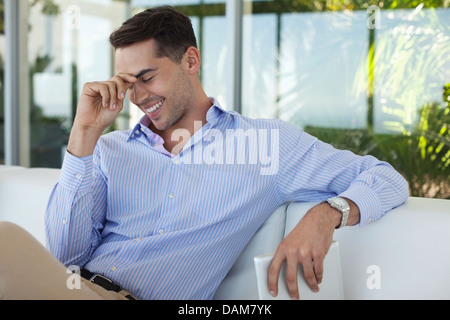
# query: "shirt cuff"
[[76, 173], [367, 201]]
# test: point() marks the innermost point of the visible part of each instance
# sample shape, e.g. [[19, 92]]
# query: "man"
[[163, 210]]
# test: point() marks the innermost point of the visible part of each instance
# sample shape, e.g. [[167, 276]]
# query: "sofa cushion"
[[24, 194]]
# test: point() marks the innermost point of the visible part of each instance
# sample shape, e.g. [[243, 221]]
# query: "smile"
[[155, 106]]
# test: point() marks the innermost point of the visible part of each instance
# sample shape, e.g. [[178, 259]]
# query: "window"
[[374, 79], [2, 84], [68, 45]]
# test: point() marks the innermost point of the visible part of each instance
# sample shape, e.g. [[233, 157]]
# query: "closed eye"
[[147, 80], [144, 75]]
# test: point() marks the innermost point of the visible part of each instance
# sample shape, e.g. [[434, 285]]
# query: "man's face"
[[163, 90]]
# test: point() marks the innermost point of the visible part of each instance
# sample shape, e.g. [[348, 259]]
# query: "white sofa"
[[409, 248]]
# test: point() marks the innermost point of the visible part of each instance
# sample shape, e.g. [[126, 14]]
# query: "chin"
[[159, 125]]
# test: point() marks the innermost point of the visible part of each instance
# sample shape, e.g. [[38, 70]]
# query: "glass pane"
[[259, 66], [68, 46], [174, 3], [411, 95], [2, 84], [371, 79], [412, 65], [214, 57], [322, 79]]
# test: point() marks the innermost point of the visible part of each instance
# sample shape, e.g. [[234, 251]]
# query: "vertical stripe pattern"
[[170, 227]]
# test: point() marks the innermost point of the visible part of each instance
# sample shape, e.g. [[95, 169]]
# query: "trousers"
[[28, 271]]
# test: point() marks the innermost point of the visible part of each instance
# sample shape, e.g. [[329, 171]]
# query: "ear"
[[192, 58]]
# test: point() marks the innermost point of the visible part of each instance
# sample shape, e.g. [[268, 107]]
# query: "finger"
[[291, 278], [310, 276], [113, 96], [125, 82], [126, 77], [318, 270], [274, 274], [117, 84], [103, 90]]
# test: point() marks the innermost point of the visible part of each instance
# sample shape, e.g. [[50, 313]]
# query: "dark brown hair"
[[171, 30]]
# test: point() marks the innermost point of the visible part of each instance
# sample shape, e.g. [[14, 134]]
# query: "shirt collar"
[[214, 113], [212, 116]]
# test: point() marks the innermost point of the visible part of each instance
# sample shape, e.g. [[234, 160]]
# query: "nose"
[[137, 93]]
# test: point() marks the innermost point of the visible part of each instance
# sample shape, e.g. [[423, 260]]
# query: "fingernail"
[[315, 290], [294, 298], [272, 293], [122, 95], [114, 106]]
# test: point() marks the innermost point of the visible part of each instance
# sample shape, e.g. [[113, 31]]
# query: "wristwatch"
[[341, 205]]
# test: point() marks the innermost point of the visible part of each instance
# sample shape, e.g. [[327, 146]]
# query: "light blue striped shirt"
[[170, 227]]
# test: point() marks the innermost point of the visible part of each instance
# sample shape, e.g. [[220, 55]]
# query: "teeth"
[[155, 107]]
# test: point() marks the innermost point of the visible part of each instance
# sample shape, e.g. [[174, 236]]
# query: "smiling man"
[[140, 218], [166, 88]]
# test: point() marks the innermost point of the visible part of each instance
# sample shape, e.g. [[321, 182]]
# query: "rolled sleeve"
[[376, 192], [367, 201]]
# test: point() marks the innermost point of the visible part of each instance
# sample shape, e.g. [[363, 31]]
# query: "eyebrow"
[[142, 72]]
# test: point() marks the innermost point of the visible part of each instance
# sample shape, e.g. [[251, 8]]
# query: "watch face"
[[339, 202]]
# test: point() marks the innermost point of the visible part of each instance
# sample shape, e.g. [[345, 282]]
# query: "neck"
[[180, 132]]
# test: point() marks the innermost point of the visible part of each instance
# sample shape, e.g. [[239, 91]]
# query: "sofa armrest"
[[404, 255]]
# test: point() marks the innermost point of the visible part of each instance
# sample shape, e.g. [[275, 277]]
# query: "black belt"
[[104, 282]]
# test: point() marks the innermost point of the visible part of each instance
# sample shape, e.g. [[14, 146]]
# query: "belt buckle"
[[104, 282], [109, 285], [95, 276]]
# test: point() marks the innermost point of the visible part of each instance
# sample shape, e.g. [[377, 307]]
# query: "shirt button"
[[161, 231], [64, 221], [113, 268], [78, 175], [137, 239], [171, 195], [176, 161]]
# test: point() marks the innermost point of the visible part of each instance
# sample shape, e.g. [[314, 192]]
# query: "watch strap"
[[344, 209]]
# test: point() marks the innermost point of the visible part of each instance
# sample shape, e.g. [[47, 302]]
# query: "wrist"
[[328, 215], [341, 206], [82, 141], [346, 209], [334, 215]]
